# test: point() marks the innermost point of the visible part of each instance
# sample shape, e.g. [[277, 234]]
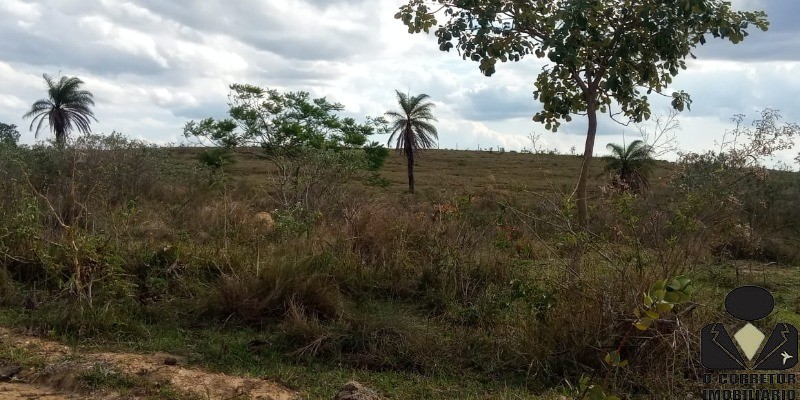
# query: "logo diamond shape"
[[749, 339]]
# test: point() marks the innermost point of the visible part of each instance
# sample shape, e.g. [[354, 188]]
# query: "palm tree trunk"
[[410, 161], [61, 138]]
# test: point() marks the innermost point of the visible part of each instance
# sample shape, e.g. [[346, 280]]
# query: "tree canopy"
[[66, 107], [9, 135], [283, 123], [605, 55]]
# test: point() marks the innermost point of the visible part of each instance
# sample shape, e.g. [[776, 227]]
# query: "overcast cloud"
[[155, 64]]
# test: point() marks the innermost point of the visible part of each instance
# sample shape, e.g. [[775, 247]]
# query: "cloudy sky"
[[153, 65]]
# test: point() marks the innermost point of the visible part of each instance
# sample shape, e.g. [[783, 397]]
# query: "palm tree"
[[630, 165], [413, 128], [65, 109]]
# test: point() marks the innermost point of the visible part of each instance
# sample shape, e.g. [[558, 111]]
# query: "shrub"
[[276, 289]]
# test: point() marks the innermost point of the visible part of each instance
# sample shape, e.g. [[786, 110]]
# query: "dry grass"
[[460, 171], [465, 280]]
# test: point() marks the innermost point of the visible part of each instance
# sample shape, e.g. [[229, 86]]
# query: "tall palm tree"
[[66, 108], [413, 129], [630, 165]]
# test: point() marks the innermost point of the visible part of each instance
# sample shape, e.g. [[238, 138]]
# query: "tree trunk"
[[410, 160], [580, 192], [61, 138]]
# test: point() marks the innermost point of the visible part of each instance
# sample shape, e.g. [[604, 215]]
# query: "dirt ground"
[[56, 377]]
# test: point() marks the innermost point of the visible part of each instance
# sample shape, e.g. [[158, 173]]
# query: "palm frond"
[[67, 108], [630, 165]]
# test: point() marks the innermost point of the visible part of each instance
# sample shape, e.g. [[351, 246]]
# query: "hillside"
[[464, 290], [459, 171]]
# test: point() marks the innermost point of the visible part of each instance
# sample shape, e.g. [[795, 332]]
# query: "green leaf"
[[664, 307], [674, 285], [672, 297], [596, 393], [643, 323], [658, 285]]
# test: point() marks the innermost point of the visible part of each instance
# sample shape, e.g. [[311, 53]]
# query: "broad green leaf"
[[672, 297], [643, 323], [664, 307], [674, 285], [658, 285]]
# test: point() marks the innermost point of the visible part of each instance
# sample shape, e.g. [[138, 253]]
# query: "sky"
[[154, 65]]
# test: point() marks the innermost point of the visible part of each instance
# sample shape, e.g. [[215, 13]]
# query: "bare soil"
[[56, 377]]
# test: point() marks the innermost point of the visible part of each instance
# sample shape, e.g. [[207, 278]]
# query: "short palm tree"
[[66, 108], [412, 128], [630, 165]]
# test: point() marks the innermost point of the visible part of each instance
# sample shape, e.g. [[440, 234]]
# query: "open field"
[[460, 172], [457, 292]]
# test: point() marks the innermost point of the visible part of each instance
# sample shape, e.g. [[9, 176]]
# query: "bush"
[[267, 294]]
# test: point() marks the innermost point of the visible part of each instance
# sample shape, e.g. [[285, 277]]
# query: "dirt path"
[[53, 371]]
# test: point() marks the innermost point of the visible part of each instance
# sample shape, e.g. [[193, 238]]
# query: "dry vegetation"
[[456, 292]]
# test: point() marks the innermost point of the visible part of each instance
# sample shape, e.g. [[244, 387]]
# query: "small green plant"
[[593, 391], [661, 298], [375, 179], [376, 155], [295, 220], [216, 158]]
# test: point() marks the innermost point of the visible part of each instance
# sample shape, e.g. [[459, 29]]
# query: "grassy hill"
[[460, 171], [460, 291]]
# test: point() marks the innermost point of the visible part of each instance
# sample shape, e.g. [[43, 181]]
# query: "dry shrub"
[[278, 288], [380, 231], [376, 342], [9, 295]]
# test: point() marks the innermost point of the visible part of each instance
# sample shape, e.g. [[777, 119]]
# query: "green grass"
[[781, 280], [13, 355], [226, 350]]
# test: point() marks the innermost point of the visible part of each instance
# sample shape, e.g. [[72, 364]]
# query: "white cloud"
[[25, 12], [153, 65], [127, 40]]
